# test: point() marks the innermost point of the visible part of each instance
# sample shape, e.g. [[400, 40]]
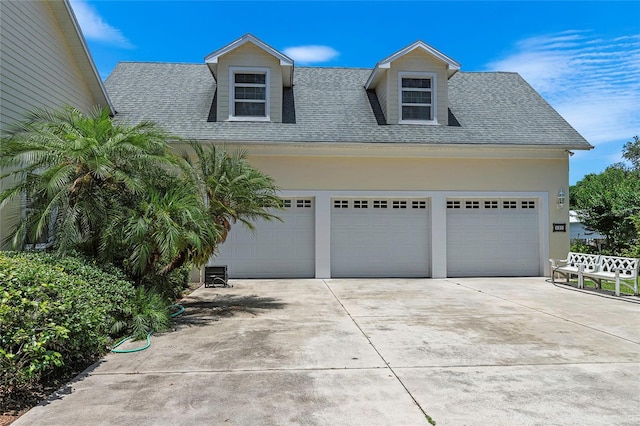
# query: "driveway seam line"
[[426, 416], [268, 370], [238, 370], [560, 364]]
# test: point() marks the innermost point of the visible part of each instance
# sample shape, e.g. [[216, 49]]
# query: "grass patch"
[[609, 286]]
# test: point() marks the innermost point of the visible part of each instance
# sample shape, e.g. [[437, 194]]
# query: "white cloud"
[[311, 54], [593, 82], [94, 28]]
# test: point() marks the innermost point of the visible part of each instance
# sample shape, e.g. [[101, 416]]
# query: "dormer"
[[412, 85], [251, 77]]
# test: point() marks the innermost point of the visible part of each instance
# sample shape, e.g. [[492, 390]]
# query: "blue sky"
[[582, 56]]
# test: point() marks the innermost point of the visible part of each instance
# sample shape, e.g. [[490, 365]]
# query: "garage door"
[[492, 238], [275, 249], [379, 238]]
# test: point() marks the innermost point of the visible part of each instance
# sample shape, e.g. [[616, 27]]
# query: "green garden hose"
[[179, 312], [142, 348]]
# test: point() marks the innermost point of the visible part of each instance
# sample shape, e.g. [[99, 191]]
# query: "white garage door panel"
[[275, 249], [493, 239], [380, 241]]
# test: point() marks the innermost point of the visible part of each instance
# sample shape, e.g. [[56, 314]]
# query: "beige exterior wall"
[[38, 69], [415, 61], [413, 174], [437, 173], [249, 55], [455, 176]]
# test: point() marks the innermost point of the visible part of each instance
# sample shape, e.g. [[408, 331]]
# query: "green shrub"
[[171, 286], [28, 328], [579, 246], [55, 315], [149, 312]]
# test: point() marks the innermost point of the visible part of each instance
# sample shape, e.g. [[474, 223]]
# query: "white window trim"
[[51, 232], [434, 100], [232, 105]]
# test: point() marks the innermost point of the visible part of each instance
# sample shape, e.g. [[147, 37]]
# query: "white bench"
[[612, 268], [571, 265]]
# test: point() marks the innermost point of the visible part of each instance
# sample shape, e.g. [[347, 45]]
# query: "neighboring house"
[[579, 232], [44, 63], [410, 169]]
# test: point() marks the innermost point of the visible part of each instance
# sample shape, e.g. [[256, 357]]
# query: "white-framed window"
[[47, 238], [248, 94], [417, 97]]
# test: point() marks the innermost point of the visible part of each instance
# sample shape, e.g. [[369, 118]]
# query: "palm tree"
[[118, 194], [234, 189], [169, 228], [74, 170]]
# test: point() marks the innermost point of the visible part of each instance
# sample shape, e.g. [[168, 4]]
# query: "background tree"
[[631, 152], [609, 202]]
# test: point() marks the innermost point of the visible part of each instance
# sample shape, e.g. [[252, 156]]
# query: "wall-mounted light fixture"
[[561, 199]]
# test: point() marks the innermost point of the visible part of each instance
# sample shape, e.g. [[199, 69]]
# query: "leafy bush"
[[171, 285], [634, 248], [579, 246], [56, 314], [149, 312]]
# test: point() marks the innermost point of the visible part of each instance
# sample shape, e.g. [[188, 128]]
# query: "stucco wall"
[[454, 173], [428, 174]]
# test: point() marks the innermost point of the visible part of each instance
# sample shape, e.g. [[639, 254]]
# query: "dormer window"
[[249, 94], [417, 98]]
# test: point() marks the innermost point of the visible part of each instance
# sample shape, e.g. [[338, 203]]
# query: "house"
[[579, 232], [45, 64], [412, 168]]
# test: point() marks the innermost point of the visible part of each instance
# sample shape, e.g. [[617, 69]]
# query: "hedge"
[[56, 314]]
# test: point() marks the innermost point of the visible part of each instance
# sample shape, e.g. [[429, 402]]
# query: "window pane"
[[250, 109], [421, 83], [416, 97], [416, 113], [250, 78], [258, 93]]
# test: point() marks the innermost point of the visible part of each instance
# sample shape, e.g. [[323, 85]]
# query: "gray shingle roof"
[[332, 106]]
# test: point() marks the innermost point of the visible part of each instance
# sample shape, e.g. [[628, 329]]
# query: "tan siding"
[[418, 61], [392, 96], [38, 68], [249, 55], [381, 92], [222, 91]]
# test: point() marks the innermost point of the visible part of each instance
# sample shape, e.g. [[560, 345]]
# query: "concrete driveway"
[[507, 351]]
